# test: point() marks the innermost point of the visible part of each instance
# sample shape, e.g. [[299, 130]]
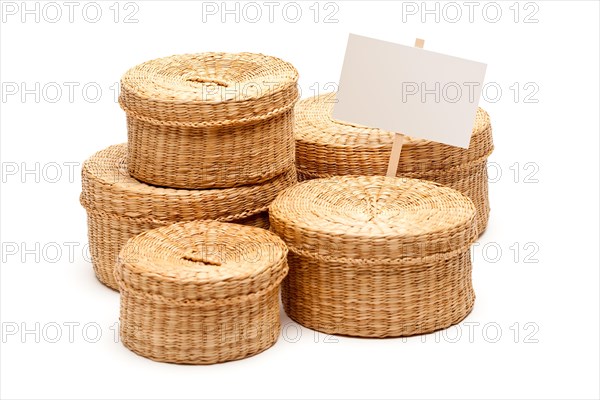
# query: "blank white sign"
[[409, 90]]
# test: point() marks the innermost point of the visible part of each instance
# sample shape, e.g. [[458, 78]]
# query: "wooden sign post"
[[398, 137]]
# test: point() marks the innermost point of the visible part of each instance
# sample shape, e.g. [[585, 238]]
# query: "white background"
[[546, 312]]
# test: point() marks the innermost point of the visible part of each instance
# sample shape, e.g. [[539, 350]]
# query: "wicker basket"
[[373, 256], [327, 147], [120, 207], [210, 120], [201, 292]]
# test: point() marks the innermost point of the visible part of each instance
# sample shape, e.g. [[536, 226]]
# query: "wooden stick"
[[395, 156], [398, 137]]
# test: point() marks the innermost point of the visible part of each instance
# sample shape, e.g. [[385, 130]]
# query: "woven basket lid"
[[330, 147], [209, 89], [202, 260], [108, 187], [373, 218]]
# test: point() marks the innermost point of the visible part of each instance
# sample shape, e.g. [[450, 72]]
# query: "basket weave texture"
[[201, 292], [372, 256], [326, 147], [120, 207], [210, 120]]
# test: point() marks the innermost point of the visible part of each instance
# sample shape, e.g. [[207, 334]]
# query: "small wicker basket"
[[210, 120], [373, 256], [201, 292], [120, 207], [327, 147]]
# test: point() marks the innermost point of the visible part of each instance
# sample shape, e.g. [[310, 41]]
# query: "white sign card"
[[409, 90]]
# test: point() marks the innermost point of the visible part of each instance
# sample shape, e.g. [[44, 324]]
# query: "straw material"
[[376, 257], [201, 292], [327, 147], [120, 207], [210, 120]]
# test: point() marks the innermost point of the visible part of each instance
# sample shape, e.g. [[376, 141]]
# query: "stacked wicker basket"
[[120, 207], [210, 136], [210, 290], [373, 256], [211, 141], [212, 120], [327, 147]]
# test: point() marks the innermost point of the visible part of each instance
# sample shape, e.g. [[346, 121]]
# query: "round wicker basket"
[[210, 120], [372, 256], [120, 207], [201, 292], [327, 147]]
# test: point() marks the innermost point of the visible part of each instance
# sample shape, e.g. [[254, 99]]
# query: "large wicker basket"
[[327, 147], [374, 256], [120, 207], [201, 292], [210, 120]]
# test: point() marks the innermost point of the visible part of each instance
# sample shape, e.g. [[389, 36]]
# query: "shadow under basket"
[[374, 256]]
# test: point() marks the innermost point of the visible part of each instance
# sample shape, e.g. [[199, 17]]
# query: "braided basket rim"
[[327, 212], [173, 90]]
